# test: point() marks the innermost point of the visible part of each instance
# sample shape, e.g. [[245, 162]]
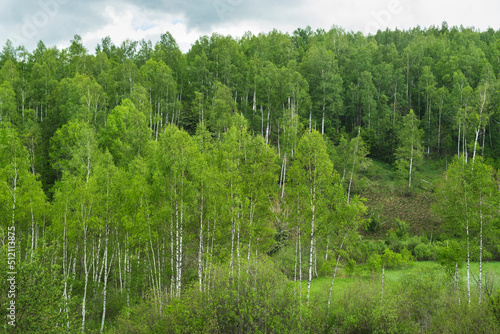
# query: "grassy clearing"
[[381, 188], [321, 285]]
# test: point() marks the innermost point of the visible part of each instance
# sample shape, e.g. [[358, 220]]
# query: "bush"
[[374, 263], [423, 252], [402, 229], [360, 310], [393, 260], [363, 250], [262, 300], [349, 267], [375, 220], [39, 291]]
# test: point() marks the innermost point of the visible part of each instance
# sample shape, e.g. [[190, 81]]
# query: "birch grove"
[[210, 190]]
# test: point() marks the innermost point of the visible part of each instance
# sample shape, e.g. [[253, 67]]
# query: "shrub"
[[423, 252], [402, 229], [374, 263], [260, 300], [349, 267], [394, 260]]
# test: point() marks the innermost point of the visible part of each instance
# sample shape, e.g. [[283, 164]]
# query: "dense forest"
[[143, 189]]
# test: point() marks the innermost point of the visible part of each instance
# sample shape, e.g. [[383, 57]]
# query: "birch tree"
[[311, 180], [409, 153], [176, 158], [465, 198]]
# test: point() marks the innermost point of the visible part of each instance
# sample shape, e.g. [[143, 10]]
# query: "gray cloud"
[[51, 21], [206, 14], [55, 22]]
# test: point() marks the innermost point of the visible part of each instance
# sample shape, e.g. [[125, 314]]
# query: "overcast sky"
[[55, 22]]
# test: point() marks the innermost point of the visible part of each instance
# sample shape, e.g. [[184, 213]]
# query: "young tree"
[[162, 90], [409, 153], [311, 181], [75, 153], [427, 85], [126, 132], [321, 71], [466, 198], [8, 110]]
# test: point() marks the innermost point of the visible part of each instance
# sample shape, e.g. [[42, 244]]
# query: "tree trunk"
[[86, 269], [104, 292], [200, 247], [311, 252], [382, 292], [335, 271], [457, 282]]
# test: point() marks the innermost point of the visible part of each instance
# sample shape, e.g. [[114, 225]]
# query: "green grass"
[[382, 189], [491, 270], [321, 285]]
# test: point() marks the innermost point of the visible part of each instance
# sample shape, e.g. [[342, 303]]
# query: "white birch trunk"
[[382, 292], [457, 282], [200, 247], [104, 292], [411, 166], [86, 269], [335, 271], [311, 252], [179, 282], [323, 123], [300, 265], [284, 177], [468, 264]]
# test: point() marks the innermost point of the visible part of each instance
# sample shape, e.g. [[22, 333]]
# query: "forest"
[[234, 188]]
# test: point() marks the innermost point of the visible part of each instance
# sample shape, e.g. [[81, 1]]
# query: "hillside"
[[386, 203]]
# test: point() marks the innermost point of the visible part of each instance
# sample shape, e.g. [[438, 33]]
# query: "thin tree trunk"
[[479, 283], [468, 247], [323, 123], [382, 292], [284, 177], [231, 263], [335, 271], [252, 205], [238, 246], [311, 251], [457, 282], [300, 265], [86, 269], [181, 237], [104, 292], [353, 164], [411, 166], [200, 247]]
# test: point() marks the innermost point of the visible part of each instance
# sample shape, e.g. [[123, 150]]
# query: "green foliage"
[[374, 263], [126, 132], [8, 112], [402, 229], [409, 154], [450, 255], [219, 117], [394, 260], [375, 221], [138, 214], [38, 294], [349, 267], [261, 300], [424, 252]]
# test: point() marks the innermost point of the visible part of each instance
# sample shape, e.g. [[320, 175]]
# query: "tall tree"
[[409, 153], [311, 180]]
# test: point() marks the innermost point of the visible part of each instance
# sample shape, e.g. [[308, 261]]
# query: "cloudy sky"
[[55, 22]]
